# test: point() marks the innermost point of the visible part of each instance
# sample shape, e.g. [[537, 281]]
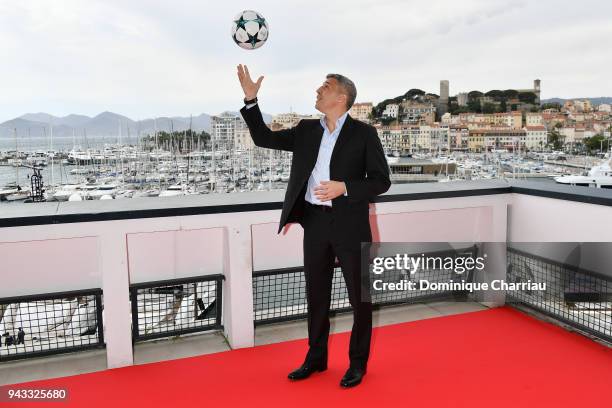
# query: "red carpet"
[[493, 358]]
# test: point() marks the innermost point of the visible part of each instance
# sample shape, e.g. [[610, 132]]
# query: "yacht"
[[81, 171], [599, 176], [87, 189], [8, 190], [443, 160], [102, 190], [171, 191], [64, 192], [18, 195], [392, 159], [153, 192], [79, 157]]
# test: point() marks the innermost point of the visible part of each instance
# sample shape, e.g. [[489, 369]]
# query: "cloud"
[[146, 58]]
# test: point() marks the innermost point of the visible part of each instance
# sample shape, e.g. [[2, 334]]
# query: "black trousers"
[[323, 241]]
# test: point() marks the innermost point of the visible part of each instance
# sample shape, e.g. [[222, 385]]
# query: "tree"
[[455, 109], [386, 120], [474, 105], [380, 108], [489, 108], [413, 92], [511, 93], [594, 143], [180, 137], [527, 97], [372, 115], [503, 106], [553, 105], [495, 93], [556, 139]]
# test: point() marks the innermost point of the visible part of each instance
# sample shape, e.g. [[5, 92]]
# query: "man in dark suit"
[[338, 166]]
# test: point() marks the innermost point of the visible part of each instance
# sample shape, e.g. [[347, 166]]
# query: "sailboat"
[[19, 194], [51, 156]]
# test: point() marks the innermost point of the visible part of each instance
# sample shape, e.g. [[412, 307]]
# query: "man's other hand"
[[249, 87], [328, 190]]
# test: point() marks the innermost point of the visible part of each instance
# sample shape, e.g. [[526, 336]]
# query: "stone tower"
[[443, 101], [536, 89]]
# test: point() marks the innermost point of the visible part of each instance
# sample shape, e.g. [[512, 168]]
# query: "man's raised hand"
[[249, 87]]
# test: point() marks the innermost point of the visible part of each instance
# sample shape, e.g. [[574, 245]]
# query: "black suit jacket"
[[358, 159]]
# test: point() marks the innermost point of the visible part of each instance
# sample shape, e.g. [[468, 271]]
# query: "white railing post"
[[115, 287], [238, 310], [495, 263]]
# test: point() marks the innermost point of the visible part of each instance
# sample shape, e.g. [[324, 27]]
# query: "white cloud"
[[145, 58]]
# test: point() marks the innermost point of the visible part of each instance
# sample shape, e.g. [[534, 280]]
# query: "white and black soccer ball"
[[249, 30]]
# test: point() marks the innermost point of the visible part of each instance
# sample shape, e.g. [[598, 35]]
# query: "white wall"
[[113, 254], [174, 254], [542, 219], [41, 265]]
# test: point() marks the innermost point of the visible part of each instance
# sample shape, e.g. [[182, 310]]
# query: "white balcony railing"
[[51, 247]]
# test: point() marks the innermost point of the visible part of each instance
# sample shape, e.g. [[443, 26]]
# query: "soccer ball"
[[250, 30]]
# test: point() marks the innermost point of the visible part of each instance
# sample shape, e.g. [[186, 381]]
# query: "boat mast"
[[17, 161], [189, 150], [214, 167], [157, 153], [120, 151], [51, 148]]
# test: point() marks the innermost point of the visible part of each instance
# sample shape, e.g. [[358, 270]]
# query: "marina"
[[176, 163], [115, 171], [147, 169]]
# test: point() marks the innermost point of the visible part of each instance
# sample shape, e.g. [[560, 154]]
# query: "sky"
[[165, 58]]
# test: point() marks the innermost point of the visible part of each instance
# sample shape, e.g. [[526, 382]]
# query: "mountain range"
[[104, 124], [594, 101]]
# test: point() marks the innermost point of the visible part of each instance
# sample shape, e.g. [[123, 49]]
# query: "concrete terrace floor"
[[193, 345]]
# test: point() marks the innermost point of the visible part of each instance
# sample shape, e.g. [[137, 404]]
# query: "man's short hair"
[[347, 86]]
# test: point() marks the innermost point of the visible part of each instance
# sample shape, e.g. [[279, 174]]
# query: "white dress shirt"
[[321, 169], [320, 172]]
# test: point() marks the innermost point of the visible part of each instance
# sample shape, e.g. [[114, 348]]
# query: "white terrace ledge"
[[56, 247]]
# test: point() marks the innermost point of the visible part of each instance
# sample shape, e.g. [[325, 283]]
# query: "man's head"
[[336, 95]]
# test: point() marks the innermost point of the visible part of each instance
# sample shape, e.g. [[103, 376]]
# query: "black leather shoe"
[[352, 377], [305, 370]]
